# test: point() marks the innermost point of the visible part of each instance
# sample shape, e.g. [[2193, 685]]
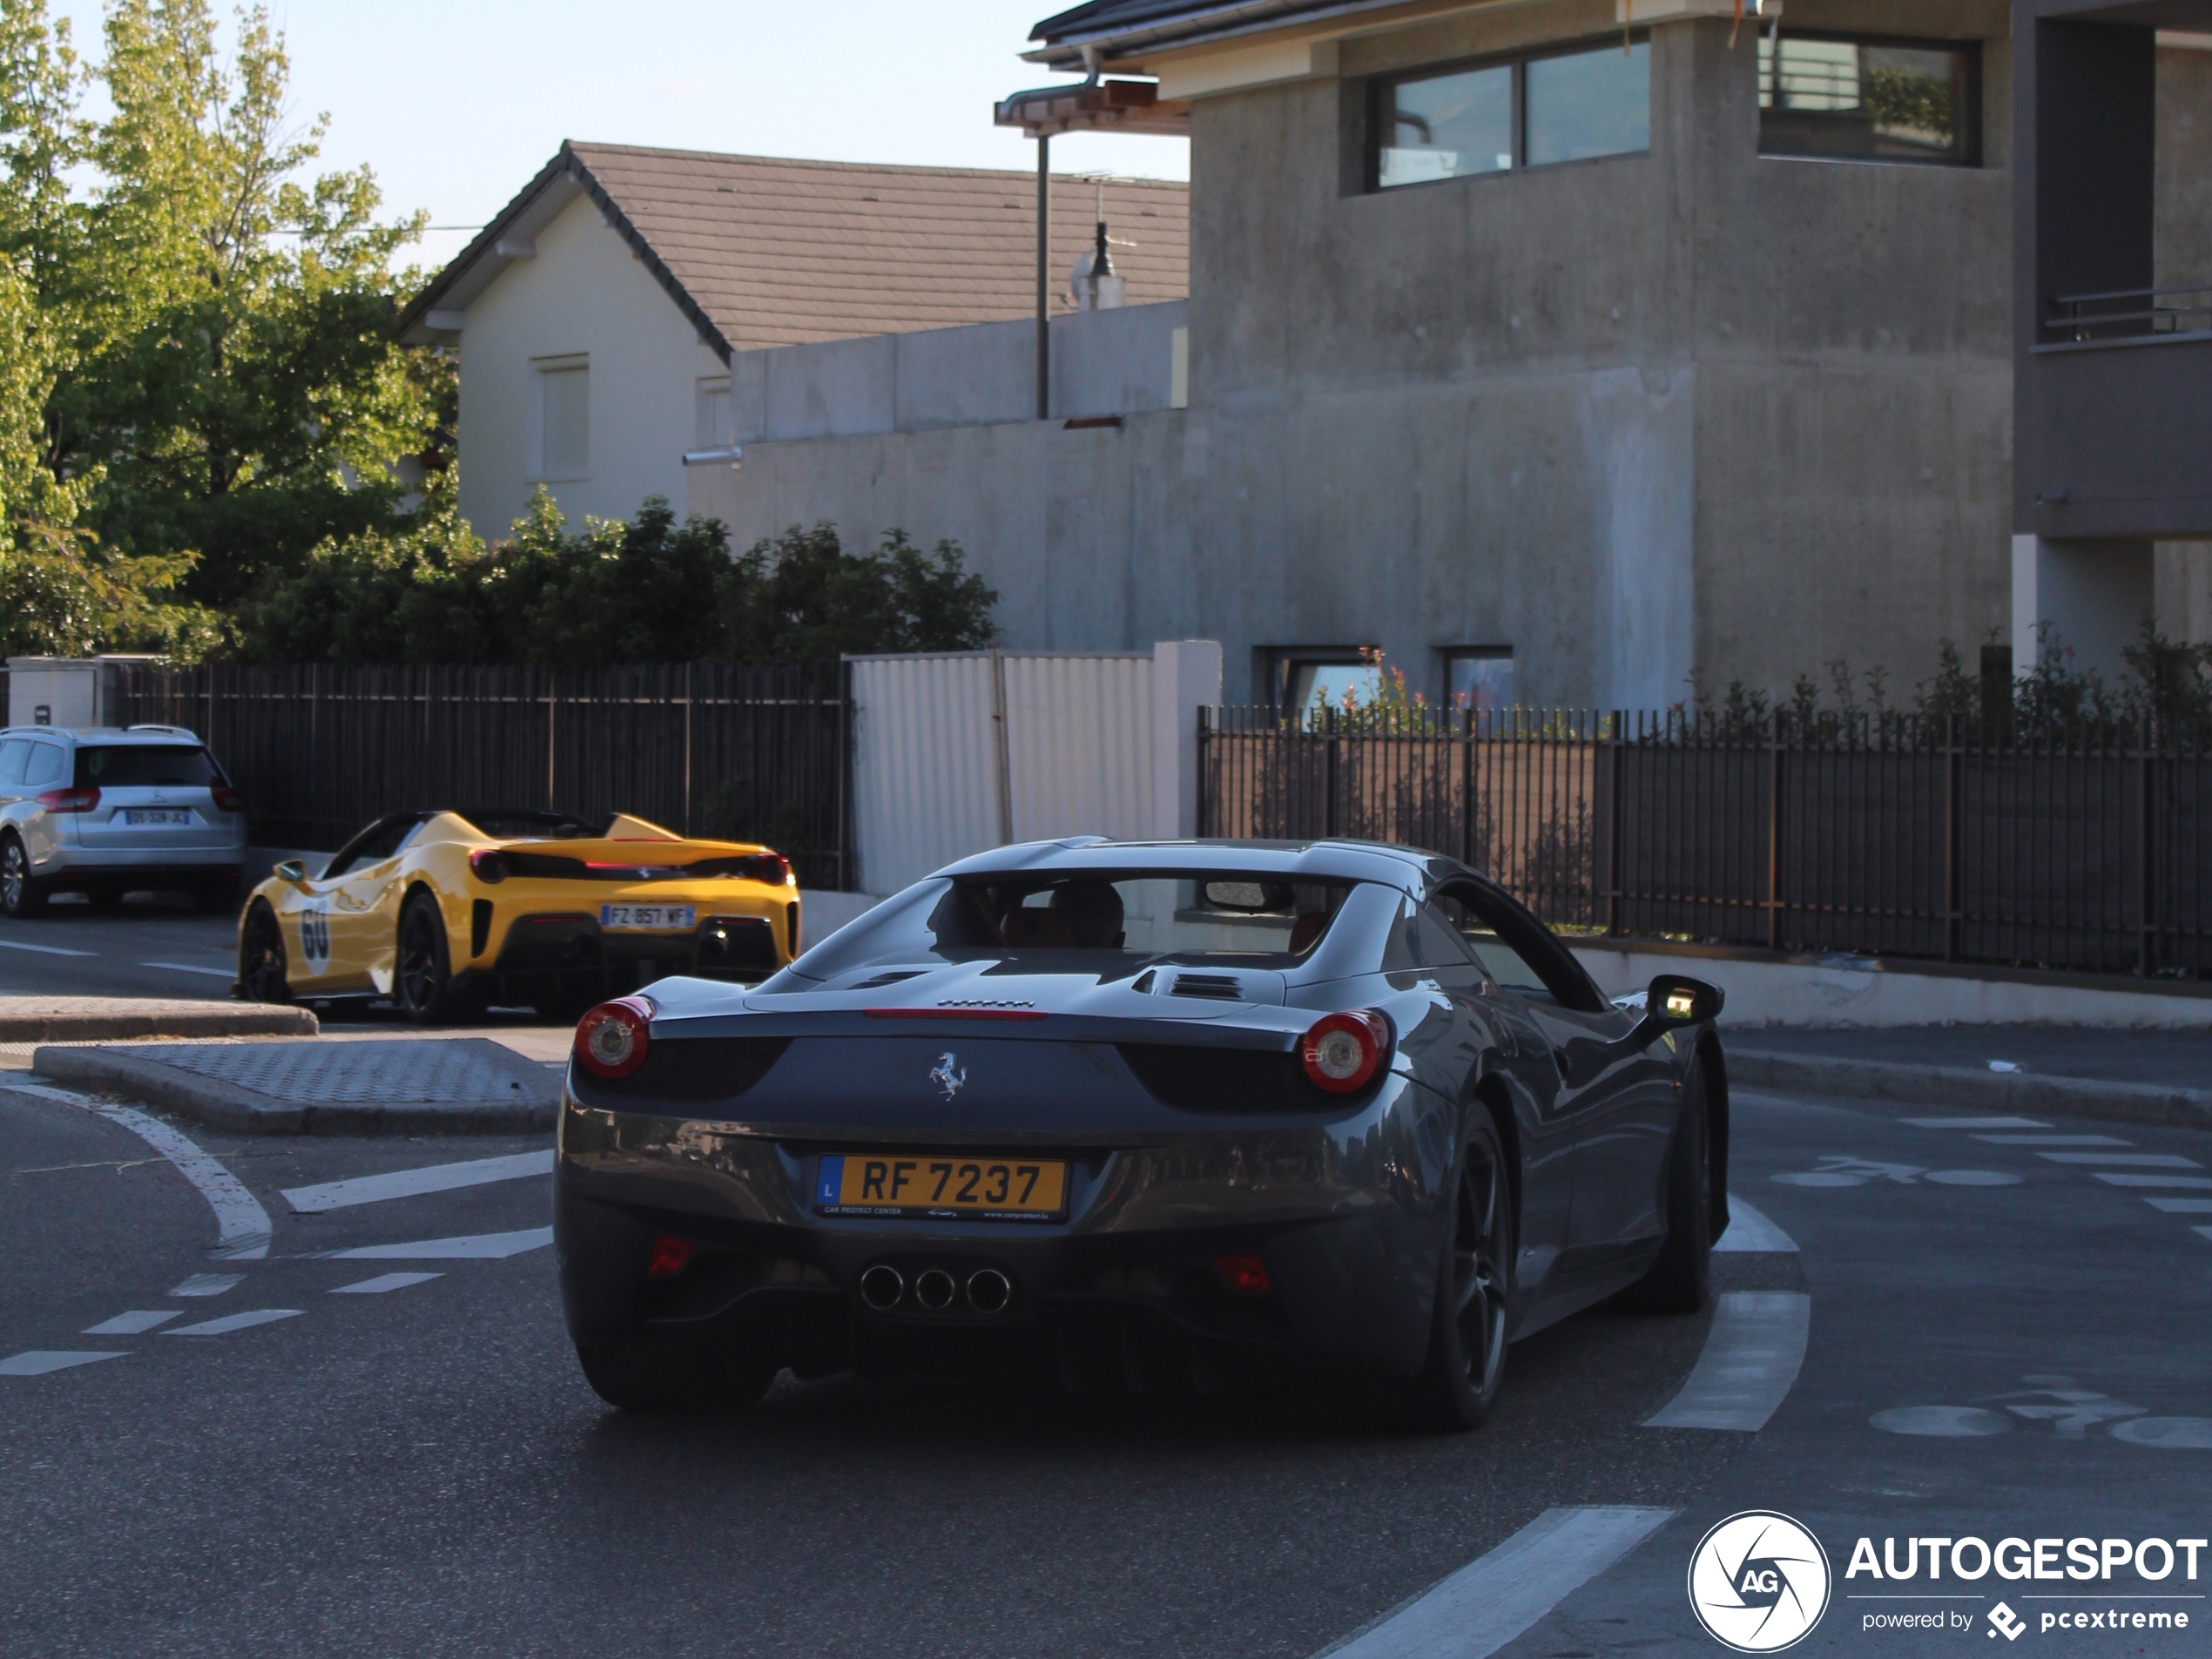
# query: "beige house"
[[599, 316]]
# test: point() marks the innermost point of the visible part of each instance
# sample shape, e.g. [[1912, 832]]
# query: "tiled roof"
[[775, 253]]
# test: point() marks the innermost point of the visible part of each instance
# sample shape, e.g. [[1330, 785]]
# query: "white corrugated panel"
[[1079, 746], [924, 766]]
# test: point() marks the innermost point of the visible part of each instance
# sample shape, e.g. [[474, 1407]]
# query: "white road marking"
[[2146, 1160], [131, 1324], [1976, 1122], [38, 1362], [231, 1322], [2054, 1140], [1750, 1360], [207, 1284], [44, 950], [1491, 1600], [2206, 1231], [403, 1184], [476, 1247], [187, 967], [2200, 1182], [1972, 1178], [384, 1282], [1943, 1422], [2181, 1206], [2193, 1432], [241, 1225], [1748, 1230]]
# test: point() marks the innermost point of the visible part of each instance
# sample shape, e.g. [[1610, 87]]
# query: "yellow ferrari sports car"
[[448, 913]]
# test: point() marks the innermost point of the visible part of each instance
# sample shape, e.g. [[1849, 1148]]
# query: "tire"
[[1460, 1379], [261, 964], [659, 1376], [422, 981], [23, 895], [1680, 1280]]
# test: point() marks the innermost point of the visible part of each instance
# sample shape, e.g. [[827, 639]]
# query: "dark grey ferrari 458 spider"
[[1165, 1114]]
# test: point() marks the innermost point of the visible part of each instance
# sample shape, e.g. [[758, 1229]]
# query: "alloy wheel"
[[263, 978], [419, 975], [1478, 1276], [13, 874]]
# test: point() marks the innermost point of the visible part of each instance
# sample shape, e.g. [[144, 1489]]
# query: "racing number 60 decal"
[[314, 935]]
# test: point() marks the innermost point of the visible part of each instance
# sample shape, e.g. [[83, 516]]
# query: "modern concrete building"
[[1562, 348], [597, 317]]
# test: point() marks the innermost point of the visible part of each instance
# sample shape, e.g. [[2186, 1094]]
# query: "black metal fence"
[[2089, 855], [707, 748]]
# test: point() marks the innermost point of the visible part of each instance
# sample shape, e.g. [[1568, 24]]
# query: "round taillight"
[[1341, 1051], [610, 1040], [772, 867], [488, 864]]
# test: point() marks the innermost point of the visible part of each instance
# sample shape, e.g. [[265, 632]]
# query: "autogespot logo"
[[1758, 1582]]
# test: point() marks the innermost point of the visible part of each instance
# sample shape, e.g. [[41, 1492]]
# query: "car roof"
[[96, 736], [1348, 860]]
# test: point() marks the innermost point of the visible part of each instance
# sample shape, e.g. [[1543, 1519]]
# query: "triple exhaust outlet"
[[883, 1287]]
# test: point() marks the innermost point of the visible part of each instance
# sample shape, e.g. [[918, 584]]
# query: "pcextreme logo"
[[1758, 1582]]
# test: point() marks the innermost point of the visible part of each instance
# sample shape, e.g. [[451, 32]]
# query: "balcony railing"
[[2129, 313]]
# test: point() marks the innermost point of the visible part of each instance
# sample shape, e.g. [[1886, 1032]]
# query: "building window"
[[1480, 678], [1299, 678], [1840, 98], [717, 417], [561, 418], [1493, 117]]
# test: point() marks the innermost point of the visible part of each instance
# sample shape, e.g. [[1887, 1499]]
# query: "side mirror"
[[1675, 1000], [292, 871]]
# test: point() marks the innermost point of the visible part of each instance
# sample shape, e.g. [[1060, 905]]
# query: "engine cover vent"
[[890, 978], [1220, 988]]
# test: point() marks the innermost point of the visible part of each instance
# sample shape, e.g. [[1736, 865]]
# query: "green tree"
[[800, 596]]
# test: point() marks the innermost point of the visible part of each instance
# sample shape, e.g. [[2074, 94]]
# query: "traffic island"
[[426, 1086], [97, 1019]]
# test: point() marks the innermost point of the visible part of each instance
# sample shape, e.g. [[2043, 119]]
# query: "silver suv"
[[107, 812]]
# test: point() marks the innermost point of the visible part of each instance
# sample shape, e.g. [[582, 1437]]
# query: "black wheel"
[[421, 985], [1680, 1281], [262, 965], [217, 896], [22, 894], [656, 1374], [1467, 1345]]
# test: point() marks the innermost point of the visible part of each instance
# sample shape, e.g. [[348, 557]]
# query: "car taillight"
[[1245, 1273], [488, 864], [1341, 1051], [70, 801], [610, 1040], [669, 1256], [772, 867], [227, 799]]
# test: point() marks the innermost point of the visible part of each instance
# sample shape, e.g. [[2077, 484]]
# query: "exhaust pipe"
[[881, 1286], [989, 1289], [935, 1289]]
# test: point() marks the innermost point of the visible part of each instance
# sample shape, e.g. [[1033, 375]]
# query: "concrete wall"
[[586, 294], [1104, 362], [2183, 255], [1695, 409]]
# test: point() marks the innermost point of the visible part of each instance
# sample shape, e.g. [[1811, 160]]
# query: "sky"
[[456, 104]]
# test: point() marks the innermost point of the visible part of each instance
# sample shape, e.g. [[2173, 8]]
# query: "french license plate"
[[645, 918], [135, 815], [871, 1183]]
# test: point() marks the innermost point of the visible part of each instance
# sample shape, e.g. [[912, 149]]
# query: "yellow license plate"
[[900, 1184]]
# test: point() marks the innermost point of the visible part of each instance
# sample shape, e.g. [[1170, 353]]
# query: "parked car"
[[1168, 1112], [107, 811], [447, 912]]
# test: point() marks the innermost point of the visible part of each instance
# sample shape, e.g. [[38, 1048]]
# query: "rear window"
[[147, 765], [1096, 923]]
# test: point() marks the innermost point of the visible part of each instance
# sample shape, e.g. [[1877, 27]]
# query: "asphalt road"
[[145, 947], [420, 1470]]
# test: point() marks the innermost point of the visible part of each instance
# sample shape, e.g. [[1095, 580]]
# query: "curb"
[[241, 1110], [220, 1019], [1991, 1091]]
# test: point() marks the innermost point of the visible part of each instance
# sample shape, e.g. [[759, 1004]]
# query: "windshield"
[[128, 766], [1092, 921]]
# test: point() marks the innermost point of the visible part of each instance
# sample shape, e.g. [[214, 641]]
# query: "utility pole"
[[1044, 277]]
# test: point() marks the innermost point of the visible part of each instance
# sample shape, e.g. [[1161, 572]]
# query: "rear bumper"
[[569, 951], [1351, 1246], [149, 867]]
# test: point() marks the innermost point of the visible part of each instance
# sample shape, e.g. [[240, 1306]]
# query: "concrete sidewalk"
[[452, 1085], [2125, 1076], [63, 1019]]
